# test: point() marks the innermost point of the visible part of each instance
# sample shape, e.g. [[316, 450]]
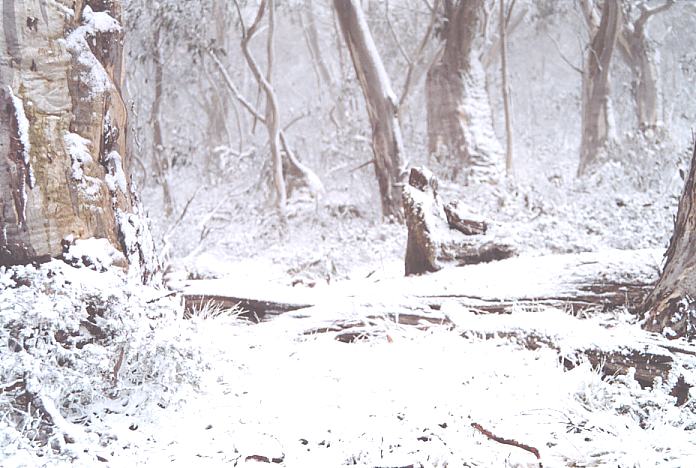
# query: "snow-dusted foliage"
[[82, 344]]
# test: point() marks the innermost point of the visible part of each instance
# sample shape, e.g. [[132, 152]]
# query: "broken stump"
[[440, 233]]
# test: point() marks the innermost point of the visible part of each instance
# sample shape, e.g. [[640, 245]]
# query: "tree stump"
[[440, 233]]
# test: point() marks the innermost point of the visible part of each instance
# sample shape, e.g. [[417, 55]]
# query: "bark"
[[459, 119], [670, 307], [439, 234], [271, 117], [63, 157], [155, 116], [505, 88], [381, 103], [640, 54], [596, 117]]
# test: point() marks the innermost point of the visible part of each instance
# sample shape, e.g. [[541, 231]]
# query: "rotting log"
[[440, 233]]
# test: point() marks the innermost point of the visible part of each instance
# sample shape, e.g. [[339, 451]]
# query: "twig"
[[565, 59], [512, 442]]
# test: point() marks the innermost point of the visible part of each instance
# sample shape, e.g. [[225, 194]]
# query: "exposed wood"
[[504, 441], [670, 307], [464, 221], [439, 234]]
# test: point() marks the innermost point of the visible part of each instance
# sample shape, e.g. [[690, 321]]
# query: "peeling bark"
[[65, 71]]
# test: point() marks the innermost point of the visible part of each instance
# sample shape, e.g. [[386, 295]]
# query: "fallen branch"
[[512, 442]]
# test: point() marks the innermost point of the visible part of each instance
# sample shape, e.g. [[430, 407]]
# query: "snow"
[[93, 23], [116, 179], [22, 128], [78, 148]]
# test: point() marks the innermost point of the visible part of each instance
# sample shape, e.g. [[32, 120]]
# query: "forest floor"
[[429, 395]]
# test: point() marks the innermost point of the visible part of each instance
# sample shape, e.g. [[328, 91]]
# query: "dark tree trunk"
[[63, 158], [671, 306], [380, 101], [460, 126], [596, 122]]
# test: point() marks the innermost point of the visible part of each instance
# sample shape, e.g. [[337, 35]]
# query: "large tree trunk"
[[460, 126], [640, 54], [596, 117], [63, 159], [380, 101], [671, 306]]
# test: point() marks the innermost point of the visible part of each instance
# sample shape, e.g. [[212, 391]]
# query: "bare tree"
[[155, 117], [459, 119], [271, 117], [381, 103], [596, 112], [63, 128], [639, 52], [504, 21], [671, 306]]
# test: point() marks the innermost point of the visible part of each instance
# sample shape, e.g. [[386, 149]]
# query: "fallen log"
[[613, 348], [440, 233], [604, 280]]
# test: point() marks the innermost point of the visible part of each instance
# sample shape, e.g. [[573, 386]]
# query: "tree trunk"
[[63, 135], [671, 306], [157, 137], [640, 54], [596, 117], [381, 104], [460, 126], [505, 87]]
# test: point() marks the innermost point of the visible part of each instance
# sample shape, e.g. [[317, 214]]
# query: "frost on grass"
[[82, 346], [92, 72]]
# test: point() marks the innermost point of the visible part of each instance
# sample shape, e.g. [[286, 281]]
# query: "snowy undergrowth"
[[82, 346], [405, 397]]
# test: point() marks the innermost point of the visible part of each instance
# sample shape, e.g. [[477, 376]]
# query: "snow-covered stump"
[[441, 233]]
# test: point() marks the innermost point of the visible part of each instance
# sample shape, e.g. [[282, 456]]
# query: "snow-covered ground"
[[221, 391]]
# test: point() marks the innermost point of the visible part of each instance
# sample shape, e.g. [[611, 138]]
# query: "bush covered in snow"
[[80, 343]]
